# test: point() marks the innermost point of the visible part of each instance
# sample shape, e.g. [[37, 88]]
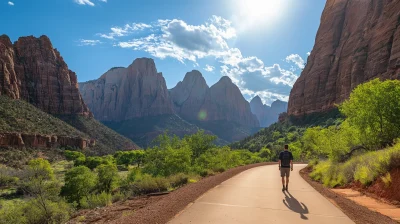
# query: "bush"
[[107, 178], [147, 184], [32, 212], [79, 183], [96, 200], [95, 161], [178, 180], [364, 168], [73, 155]]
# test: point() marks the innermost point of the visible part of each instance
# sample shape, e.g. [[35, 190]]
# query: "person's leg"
[[287, 179], [283, 183]]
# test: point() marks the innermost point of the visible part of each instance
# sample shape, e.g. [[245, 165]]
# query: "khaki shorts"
[[285, 171]]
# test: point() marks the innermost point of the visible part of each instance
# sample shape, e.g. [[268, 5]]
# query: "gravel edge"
[[172, 204], [359, 214]]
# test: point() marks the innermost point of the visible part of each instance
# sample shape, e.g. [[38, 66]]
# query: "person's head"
[[286, 147]]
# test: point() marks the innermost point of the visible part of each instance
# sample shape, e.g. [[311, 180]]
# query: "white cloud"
[[308, 53], [188, 43], [84, 2], [296, 59], [124, 31], [11, 3], [87, 2], [83, 42], [209, 68]]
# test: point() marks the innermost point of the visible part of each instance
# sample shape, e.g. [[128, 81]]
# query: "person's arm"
[[280, 157], [291, 161]]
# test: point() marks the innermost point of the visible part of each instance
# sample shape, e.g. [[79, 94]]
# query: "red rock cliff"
[[125, 93], [31, 69], [357, 41]]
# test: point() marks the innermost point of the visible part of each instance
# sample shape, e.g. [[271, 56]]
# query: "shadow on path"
[[293, 204]]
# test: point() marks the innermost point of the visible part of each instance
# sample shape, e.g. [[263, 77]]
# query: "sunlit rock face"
[[32, 70], [127, 93], [357, 41], [194, 100]]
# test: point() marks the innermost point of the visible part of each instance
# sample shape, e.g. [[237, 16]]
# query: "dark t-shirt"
[[285, 158]]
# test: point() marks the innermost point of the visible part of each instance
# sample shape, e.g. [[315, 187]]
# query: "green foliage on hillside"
[[354, 150], [289, 132], [95, 181], [20, 116], [107, 140]]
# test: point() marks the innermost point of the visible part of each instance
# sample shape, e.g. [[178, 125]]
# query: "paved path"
[[255, 196]]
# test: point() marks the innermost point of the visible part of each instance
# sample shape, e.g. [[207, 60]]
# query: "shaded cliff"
[[195, 101], [357, 41], [267, 115]]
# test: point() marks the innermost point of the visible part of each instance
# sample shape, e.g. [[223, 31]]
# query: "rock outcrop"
[[357, 41], [195, 101], [188, 95], [267, 115], [126, 93], [43, 141], [32, 70]]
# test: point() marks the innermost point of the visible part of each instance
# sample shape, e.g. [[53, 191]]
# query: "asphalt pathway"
[[255, 196]]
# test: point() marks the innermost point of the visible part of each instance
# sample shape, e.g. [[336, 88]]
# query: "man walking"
[[285, 166]]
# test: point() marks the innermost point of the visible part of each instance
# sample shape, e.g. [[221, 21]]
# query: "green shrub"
[[79, 182], [178, 180], [73, 155], [387, 179], [96, 200], [147, 184], [119, 196], [107, 178], [33, 212]]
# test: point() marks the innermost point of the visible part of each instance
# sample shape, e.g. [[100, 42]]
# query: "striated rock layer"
[[267, 115], [195, 101], [357, 41], [32, 70], [127, 93], [43, 141]]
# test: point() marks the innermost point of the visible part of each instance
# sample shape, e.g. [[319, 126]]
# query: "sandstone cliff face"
[[357, 41], [126, 93], [32, 70], [267, 115], [224, 101], [188, 96], [195, 101]]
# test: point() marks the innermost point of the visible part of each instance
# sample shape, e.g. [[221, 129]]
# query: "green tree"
[[79, 182], [107, 177], [199, 143], [130, 157], [73, 155], [373, 109], [265, 153]]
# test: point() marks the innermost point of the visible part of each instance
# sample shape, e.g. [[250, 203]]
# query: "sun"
[[259, 12]]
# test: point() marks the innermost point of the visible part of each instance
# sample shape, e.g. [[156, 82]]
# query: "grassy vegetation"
[[55, 191], [107, 140], [20, 116], [366, 145], [364, 168]]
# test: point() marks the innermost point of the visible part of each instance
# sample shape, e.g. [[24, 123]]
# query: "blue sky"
[[260, 44]]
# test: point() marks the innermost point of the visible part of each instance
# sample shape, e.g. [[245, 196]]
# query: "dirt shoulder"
[[358, 213], [169, 205]]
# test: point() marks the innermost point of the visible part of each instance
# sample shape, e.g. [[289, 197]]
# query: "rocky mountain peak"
[[32, 70]]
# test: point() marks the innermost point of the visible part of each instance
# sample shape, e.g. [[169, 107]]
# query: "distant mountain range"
[[137, 96], [133, 101]]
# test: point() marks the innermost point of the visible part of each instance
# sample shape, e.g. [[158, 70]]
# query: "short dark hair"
[[286, 146]]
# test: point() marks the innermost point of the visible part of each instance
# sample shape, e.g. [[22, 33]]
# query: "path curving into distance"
[[255, 196]]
